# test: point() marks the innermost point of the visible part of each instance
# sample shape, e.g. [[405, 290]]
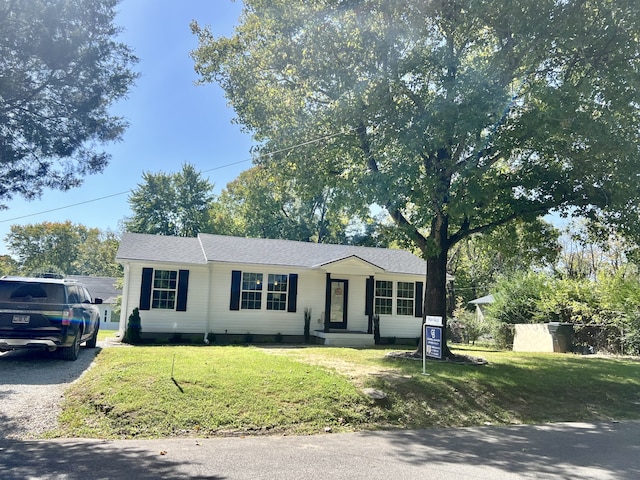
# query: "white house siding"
[[208, 302], [194, 320], [400, 326], [263, 321]]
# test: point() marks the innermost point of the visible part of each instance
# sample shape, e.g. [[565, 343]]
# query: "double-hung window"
[[251, 293], [383, 302], [277, 292], [405, 298], [164, 289]]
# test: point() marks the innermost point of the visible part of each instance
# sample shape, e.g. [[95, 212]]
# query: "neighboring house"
[[104, 288], [481, 305], [232, 285]]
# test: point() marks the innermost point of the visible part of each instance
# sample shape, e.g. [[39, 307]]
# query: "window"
[[277, 292], [251, 293], [164, 289], [384, 297], [404, 305]]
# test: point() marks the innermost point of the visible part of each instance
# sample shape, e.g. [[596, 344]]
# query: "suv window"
[[86, 296], [72, 291], [31, 292]]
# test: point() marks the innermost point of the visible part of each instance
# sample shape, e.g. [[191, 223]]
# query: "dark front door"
[[338, 310]]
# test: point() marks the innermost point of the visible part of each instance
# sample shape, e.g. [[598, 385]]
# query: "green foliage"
[[517, 297], [171, 204], [8, 266], [467, 325], [266, 202], [65, 248], [478, 261], [61, 69], [455, 117], [134, 328], [605, 311]]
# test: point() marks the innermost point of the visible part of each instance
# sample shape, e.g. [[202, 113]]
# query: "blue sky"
[[172, 121]]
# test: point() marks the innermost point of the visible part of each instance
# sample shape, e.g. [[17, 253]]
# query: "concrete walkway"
[[554, 451]]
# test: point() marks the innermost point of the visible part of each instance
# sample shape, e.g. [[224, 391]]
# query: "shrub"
[[211, 337], [134, 328], [467, 326]]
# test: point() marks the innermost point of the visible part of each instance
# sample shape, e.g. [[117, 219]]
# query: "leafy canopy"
[[171, 203], [268, 203], [62, 247], [60, 71], [456, 116]]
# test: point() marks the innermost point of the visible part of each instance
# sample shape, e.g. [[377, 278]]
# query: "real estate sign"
[[432, 345], [433, 341]]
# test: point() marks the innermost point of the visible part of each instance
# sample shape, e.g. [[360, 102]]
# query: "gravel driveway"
[[32, 385]]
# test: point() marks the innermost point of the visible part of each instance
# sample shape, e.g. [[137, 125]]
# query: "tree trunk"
[[435, 293]]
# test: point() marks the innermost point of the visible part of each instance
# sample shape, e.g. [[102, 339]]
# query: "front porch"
[[344, 338]]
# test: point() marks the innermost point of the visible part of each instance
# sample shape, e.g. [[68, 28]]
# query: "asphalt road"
[[554, 451]]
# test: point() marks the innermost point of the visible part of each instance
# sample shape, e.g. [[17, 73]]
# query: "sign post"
[[432, 345]]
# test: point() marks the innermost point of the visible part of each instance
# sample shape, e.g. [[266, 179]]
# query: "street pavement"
[[594, 451]]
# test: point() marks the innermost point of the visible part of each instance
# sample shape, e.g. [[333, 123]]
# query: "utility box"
[[543, 337]]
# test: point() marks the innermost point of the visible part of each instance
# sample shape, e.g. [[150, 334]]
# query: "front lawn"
[[249, 390]]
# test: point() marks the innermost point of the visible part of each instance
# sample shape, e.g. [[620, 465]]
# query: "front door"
[[339, 291]]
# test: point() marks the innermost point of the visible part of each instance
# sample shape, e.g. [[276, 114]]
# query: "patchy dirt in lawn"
[[357, 373]]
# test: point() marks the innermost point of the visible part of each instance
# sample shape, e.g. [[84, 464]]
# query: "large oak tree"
[[61, 68], [456, 116]]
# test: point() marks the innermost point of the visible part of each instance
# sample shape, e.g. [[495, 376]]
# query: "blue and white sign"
[[433, 341]]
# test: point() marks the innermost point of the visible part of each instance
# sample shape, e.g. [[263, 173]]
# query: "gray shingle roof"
[[160, 248], [100, 287], [260, 251], [263, 251]]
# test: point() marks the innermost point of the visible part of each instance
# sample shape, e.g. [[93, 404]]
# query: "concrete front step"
[[345, 338]]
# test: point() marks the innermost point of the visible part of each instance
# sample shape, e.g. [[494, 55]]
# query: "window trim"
[[164, 287], [377, 298], [408, 301], [247, 293], [272, 292], [288, 297]]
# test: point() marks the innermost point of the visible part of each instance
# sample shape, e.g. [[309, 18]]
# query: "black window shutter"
[[236, 278], [145, 288], [368, 307], [418, 300], [293, 292], [183, 287]]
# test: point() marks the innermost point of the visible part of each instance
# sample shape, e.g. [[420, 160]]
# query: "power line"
[[270, 154]]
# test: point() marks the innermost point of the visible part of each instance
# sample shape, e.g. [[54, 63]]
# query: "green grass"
[[102, 334], [246, 390]]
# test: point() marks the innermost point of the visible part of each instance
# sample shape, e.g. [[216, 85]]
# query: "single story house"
[[238, 286], [104, 288]]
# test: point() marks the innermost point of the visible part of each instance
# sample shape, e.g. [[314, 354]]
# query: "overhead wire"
[[219, 167]]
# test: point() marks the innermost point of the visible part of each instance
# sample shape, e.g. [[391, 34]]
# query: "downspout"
[[209, 283]]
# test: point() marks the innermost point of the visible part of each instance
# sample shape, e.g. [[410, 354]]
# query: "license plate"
[[21, 319]]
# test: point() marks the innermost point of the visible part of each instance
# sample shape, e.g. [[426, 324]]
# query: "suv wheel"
[[91, 343], [71, 353]]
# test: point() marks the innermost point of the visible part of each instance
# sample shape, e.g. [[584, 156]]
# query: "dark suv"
[[47, 313]]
